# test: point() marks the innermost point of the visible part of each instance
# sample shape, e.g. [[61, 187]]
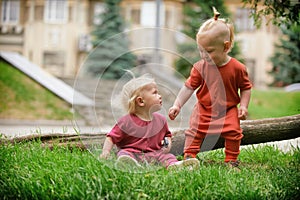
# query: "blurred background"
[[48, 45]]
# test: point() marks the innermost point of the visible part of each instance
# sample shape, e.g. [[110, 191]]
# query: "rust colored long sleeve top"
[[217, 93]]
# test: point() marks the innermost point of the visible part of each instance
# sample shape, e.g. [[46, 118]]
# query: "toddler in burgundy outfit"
[[139, 135]]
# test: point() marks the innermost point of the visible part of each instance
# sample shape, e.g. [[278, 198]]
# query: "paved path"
[[284, 145], [16, 128], [22, 130]]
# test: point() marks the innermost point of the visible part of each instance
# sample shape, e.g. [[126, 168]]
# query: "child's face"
[[211, 51], [151, 98], [212, 47]]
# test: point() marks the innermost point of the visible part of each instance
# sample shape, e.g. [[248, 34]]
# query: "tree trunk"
[[255, 131]]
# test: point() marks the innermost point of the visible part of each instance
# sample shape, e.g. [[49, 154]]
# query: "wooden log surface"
[[255, 131]]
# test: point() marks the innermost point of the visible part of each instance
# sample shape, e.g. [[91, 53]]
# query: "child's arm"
[[245, 99], [184, 94], [108, 144]]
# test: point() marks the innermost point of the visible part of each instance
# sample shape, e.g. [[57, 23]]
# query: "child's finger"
[[172, 114]]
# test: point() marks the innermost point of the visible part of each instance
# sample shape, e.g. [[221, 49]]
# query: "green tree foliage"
[[286, 59], [196, 13], [111, 54], [281, 12], [284, 14]]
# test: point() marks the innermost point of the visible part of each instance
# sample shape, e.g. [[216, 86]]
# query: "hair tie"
[[216, 14]]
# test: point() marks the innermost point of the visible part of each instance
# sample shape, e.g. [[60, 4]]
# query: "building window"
[[149, 14], [243, 21], [56, 11], [10, 11]]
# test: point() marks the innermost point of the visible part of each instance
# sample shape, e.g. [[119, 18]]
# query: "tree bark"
[[255, 131]]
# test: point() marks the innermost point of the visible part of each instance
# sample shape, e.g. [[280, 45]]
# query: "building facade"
[[55, 34], [257, 45]]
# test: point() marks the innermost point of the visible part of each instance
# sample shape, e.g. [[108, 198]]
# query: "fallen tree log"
[[255, 131]]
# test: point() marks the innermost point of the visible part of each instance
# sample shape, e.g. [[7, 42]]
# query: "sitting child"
[[139, 134]]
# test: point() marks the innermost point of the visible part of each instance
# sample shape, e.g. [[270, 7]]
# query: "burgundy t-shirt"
[[136, 135]]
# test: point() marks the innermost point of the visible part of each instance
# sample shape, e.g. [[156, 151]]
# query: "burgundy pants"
[[151, 157]]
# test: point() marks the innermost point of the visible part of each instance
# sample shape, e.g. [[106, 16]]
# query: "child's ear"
[[227, 46], [140, 101]]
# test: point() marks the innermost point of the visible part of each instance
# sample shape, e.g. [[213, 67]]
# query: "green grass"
[[273, 103], [28, 171], [23, 98]]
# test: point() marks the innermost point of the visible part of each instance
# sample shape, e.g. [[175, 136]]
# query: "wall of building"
[[55, 45], [257, 45]]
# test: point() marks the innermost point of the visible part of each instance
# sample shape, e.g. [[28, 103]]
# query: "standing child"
[[218, 79], [139, 135]]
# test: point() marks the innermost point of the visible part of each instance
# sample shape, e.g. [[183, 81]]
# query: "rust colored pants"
[[202, 125]]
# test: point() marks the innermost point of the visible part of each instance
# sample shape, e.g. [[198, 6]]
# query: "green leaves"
[[286, 58], [111, 53], [278, 12]]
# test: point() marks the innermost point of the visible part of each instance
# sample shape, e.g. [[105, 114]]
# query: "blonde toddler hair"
[[225, 29], [132, 89]]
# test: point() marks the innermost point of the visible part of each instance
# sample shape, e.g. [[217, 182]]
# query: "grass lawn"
[[273, 103], [28, 171], [23, 98]]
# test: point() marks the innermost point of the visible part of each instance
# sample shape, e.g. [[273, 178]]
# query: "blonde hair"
[[215, 22], [132, 89]]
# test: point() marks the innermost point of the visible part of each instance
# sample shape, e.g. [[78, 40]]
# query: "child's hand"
[[104, 154], [108, 144], [242, 113], [173, 112]]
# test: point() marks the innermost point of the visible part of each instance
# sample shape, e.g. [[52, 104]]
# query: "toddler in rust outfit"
[[221, 83]]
